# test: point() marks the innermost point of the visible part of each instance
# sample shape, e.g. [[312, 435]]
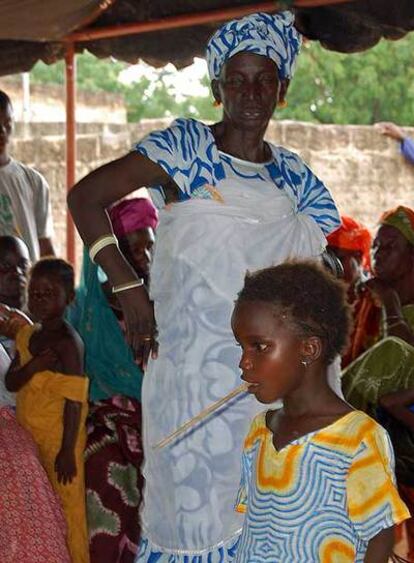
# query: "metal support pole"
[[70, 83]]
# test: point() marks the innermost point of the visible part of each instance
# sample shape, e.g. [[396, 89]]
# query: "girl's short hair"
[[308, 298], [57, 268]]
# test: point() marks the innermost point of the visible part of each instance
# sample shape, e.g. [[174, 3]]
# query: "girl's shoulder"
[[359, 423], [373, 435], [258, 429], [354, 433], [259, 421], [70, 337]]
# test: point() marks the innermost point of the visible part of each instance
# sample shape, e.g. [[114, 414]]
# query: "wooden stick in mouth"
[[201, 416]]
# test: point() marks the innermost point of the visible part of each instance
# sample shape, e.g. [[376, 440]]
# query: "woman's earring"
[[216, 103], [305, 363], [282, 104]]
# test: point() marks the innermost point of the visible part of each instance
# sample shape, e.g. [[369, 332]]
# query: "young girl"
[[26, 496], [51, 404], [317, 477]]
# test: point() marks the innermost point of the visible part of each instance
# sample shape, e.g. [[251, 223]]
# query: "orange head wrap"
[[351, 235]]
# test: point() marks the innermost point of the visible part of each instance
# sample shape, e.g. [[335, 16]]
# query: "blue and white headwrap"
[[272, 36]]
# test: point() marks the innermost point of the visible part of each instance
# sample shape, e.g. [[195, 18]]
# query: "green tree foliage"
[[361, 88], [328, 87]]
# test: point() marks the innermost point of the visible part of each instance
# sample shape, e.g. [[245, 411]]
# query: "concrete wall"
[[47, 103], [364, 170], [42, 146]]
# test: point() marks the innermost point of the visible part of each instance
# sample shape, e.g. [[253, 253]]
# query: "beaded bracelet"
[[128, 285], [101, 243]]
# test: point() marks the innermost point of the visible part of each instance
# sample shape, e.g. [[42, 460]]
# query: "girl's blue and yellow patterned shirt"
[[321, 498]]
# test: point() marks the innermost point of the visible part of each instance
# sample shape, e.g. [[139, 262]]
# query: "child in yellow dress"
[[317, 476], [47, 374]]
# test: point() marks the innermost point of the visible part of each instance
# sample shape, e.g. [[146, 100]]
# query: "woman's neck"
[[246, 145], [405, 289]]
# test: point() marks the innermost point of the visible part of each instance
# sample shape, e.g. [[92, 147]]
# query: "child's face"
[[14, 264], [48, 298], [271, 353]]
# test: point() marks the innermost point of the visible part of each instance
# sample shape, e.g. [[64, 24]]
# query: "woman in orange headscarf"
[[351, 244]]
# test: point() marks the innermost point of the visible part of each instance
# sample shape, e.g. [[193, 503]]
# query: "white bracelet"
[[129, 285], [101, 243]]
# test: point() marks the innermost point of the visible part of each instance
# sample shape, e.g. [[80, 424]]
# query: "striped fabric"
[[319, 499], [188, 153]]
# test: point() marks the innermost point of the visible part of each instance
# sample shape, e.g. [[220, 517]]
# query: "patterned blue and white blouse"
[[187, 151]]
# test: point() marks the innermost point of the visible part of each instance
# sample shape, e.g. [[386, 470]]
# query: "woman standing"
[[238, 203]]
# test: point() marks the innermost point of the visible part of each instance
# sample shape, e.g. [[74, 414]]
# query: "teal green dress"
[[109, 361], [113, 454]]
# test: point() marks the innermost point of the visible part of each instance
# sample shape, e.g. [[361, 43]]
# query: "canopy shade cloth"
[[32, 30]]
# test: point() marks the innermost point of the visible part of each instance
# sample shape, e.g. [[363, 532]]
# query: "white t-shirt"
[[6, 398], [25, 209]]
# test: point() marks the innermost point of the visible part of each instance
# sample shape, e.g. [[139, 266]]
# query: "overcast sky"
[[183, 81]]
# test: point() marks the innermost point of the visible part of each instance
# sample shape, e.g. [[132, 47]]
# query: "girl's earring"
[[216, 103], [282, 104]]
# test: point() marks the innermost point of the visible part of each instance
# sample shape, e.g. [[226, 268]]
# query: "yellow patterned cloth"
[[39, 408], [322, 497]]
